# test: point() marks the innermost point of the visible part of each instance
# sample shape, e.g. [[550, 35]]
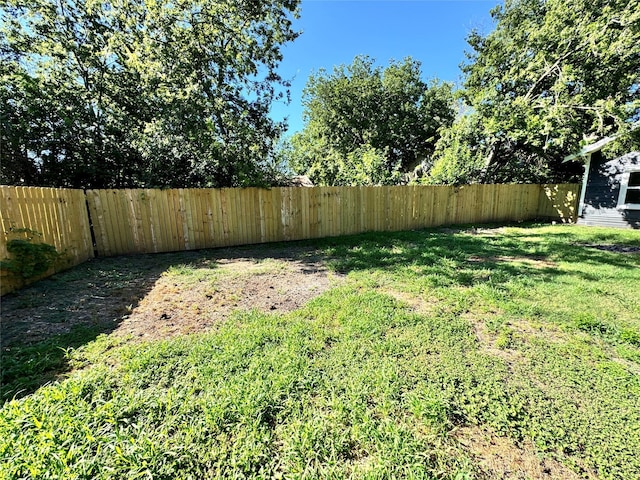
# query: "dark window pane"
[[634, 179], [633, 196]]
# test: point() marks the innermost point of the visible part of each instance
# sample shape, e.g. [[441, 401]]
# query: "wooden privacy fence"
[[145, 221], [149, 220], [54, 216]]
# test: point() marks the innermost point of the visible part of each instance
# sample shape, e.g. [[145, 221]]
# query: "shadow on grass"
[[463, 257], [44, 321]]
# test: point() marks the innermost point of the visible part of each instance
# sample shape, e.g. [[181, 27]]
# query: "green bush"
[[29, 259]]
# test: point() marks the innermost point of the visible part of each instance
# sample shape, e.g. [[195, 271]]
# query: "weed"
[[505, 338]]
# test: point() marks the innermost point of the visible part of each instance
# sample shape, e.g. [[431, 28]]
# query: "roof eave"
[[596, 147]]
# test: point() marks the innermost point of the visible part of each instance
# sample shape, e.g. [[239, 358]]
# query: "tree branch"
[[548, 72]]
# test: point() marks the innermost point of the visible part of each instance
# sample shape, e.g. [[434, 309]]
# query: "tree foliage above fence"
[[552, 75], [367, 125], [133, 93]]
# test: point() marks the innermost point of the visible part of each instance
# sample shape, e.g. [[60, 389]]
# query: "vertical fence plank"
[[117, 220], [200, 210], [224, 217], [235, 223], [147, 230], [258, 212], [276, 214], [217, 232], [263, 203], [425, 206], [188, 218], [250, 215], [253, 213], [247, 223], [242, 213], [111, 221], [241, 216], [212, 207], [168, 218], [125, 222], [205, 219], [285, 212], [239, 220], [156, 225], [97, 221], [313, 212], [128, 220], [175, 219], [196, 211], [336, 212], [40, 209]]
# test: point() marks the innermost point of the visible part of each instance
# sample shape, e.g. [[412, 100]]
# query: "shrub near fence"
[[151, 220], [53, 216]]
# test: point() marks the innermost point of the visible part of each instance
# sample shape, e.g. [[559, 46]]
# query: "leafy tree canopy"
[[366, 125], [140, 93], [552, 75]]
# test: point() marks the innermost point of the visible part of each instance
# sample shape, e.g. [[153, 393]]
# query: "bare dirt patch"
[[488, 341], [417, 304], [534, 262], [614, 248], [178, 304], [499, 343], [160, 295], [501, 458]]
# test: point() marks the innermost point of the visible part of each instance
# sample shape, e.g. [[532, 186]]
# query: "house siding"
[[599, 206]]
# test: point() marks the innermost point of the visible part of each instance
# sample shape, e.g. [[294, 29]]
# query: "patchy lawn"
[[448, 353]]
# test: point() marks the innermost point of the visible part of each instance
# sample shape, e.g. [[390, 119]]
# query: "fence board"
[[166, 220], [254, 204], [59, 216], [112, 220], [198, 222], [206, 218], [212, 200], [143, 211]]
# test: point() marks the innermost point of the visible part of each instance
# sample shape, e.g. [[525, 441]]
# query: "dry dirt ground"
[[162, 295], [500, 458]]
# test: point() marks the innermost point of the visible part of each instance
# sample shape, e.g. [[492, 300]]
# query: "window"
[[630, 190]]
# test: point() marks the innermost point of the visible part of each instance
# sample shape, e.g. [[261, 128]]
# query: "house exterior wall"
[[599, 205]]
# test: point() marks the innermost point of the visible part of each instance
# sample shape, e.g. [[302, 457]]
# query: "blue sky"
[[335, 31]]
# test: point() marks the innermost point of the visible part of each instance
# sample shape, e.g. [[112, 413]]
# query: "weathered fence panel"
[[146, 221], [54, 216]]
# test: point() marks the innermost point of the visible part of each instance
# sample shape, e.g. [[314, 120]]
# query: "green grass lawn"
[[529, 336]]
